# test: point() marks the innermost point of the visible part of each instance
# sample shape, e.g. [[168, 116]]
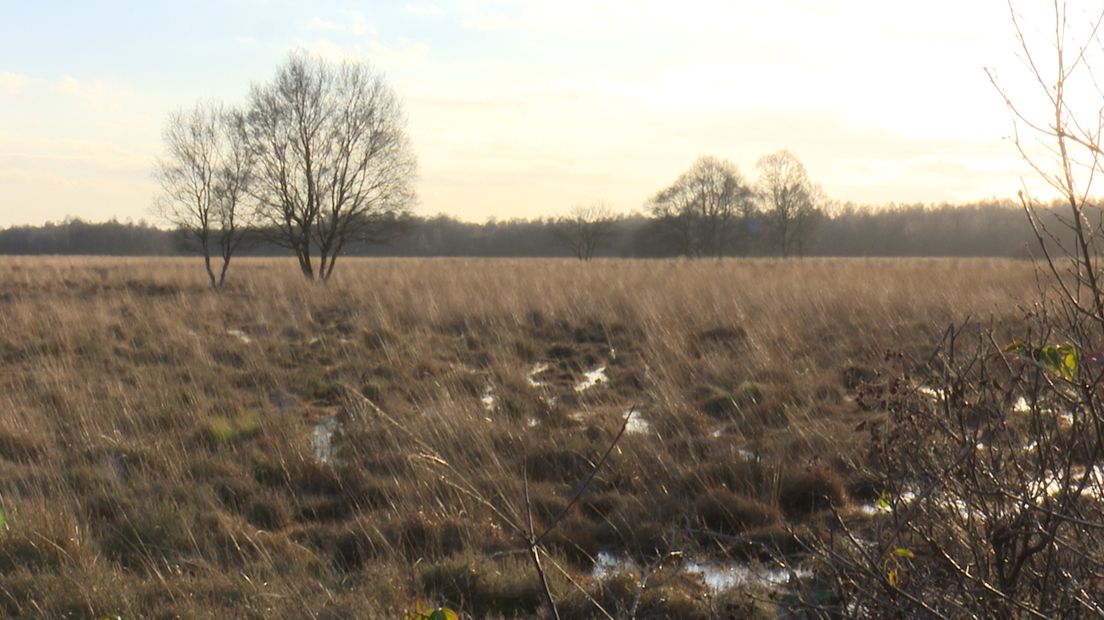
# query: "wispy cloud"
[[427, 9], [406, 53], [351, 22], [13, 83], [96, 93]]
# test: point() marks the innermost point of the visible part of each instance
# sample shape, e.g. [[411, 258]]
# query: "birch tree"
[[334, 164], [205, 176]]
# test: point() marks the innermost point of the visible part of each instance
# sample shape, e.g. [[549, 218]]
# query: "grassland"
[[164, 451]]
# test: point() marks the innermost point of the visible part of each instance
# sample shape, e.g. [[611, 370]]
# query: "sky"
[[524, 108]]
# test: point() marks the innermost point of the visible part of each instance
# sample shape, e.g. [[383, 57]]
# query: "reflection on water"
[[716, 576], [321, 439]]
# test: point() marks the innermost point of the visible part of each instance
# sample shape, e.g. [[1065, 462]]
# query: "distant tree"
[[205, 175], [334, 165], [702, 208], [586, 228], [791, 200]]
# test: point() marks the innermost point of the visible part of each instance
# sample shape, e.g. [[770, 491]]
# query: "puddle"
[[637, 425], [488, 399], [1052, 484], [536, 370], [240, 335], [592, 378], [875, 509], [321, 439], [283, 403], [716, 576], [721, 577], [608, 565]]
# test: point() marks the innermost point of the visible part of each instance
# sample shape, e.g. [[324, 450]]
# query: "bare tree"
[[586, 228], [993, 468], [791, 200], [334, 165], [702, 207], [205, 175]]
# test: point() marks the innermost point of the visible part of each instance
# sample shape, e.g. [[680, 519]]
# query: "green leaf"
[[1069, 362], [903, 553], [443, 613], [883, 500], [1060, 359]]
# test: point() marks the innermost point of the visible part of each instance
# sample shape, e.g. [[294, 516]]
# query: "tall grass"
[[156, 439]]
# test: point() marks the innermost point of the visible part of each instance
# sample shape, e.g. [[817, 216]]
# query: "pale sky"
[[522, 108]]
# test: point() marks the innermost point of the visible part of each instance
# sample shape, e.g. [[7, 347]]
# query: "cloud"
[[13, 83], [94, 93], [423, 10], [406, 53], [352, 22]]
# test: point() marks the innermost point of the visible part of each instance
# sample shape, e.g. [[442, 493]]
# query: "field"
[[284, 449]]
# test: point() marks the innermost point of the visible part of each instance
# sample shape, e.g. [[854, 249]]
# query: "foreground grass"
[[161, 451]]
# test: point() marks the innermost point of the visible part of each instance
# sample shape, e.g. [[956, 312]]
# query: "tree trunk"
[[207, 265]]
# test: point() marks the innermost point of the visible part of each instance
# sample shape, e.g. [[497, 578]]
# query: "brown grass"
[[155, 462]]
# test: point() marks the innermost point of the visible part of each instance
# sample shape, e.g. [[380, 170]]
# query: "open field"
[[293, 450]]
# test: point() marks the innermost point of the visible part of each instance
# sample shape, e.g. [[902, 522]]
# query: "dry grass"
[[155, 439]]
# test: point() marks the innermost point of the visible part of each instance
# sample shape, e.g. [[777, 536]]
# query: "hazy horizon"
[[522, 109]]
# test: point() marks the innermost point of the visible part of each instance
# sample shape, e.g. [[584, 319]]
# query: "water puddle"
[[716, 576], [872, 510], [592, 378], [536, 371], [488, 399], [321, 439], [283, 403], [719, 577], [607, 565], [637, 425]]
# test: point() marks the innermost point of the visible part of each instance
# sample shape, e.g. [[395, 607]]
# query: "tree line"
[[993, 228], [316, 163]]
